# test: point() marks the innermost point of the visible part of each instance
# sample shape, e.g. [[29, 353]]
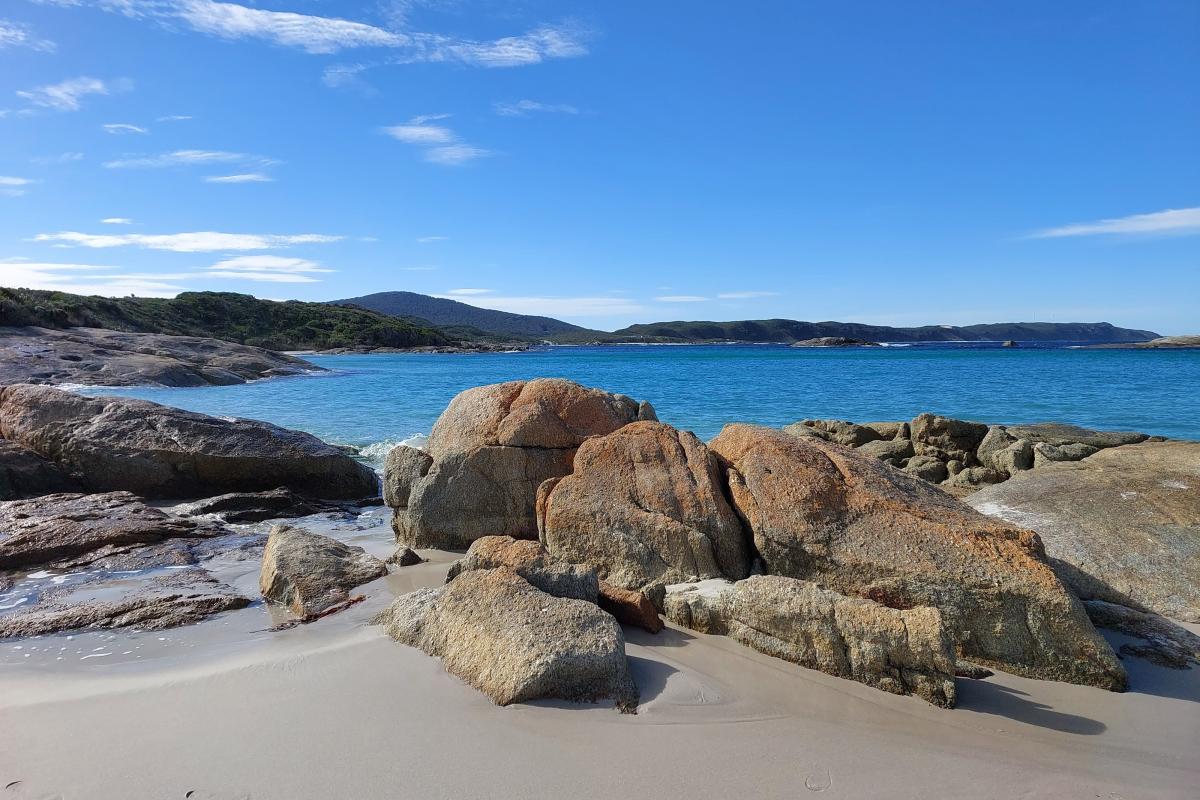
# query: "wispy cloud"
[[117, 221], [431, 239], [13, 186], [245, 177], [681, 298], [556, 306], [313, 34], [442, 145], [193, 242], [523, 107], [179, 158], [68, 95], [174, 118], [61, 158], [123, 127], [15, 34], [1178, 220], [470, 292], [745, 295], [83, 279], [269, 269]]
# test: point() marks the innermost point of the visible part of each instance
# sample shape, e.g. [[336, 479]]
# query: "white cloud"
[[63, 278], [68, 95], [454, 154], [174, 118], [196, 242], [470, 292], [117, 221], [431, 239], [420, 133], [123, 127], [12, 186], [745, 295], [1179, 220], [557, 306], [245, 177], [681, 298], [14, 34], [523, 107], [309, 33], [260, 264], [61, 158], [179, 158]]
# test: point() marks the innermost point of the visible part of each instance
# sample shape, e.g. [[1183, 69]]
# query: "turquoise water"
[[370, 399]]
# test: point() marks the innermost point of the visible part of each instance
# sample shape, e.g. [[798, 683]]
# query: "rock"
[[1166, 643], [1017, 457], [996, 439], [62, 526], [254, 506], [892, 451], [490, 451], [116, 443], [645, 507], [838, 431], [532, 562], [629, 607], [927, 468], [23, 473], [954, 466], [178, 598], [899, 651], [404, 557], [835, 341], [830, 515], [1009, 343], [309, 573], [1057, 433], [1121, 526], [973, 477], [889, 430], [403, 466], [96, 357], [514, 642], [947, 439], [1044, 453]]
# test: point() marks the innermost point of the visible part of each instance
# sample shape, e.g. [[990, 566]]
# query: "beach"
[[336, 709]]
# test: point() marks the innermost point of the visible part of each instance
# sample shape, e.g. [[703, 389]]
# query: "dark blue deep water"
[[378, 399]]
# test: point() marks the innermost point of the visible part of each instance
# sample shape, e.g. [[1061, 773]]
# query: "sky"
[[613, 162]]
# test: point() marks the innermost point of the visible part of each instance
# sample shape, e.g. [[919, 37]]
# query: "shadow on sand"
[[986, 697]]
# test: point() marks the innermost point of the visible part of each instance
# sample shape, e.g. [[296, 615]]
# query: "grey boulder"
[[309, 573]]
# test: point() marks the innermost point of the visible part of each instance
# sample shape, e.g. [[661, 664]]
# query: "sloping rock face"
[[532, 562], [488, 453], [899, 651], [97, 357], [309, 573], [115, 443], [23, 473], [645, 507], [825, 513], [1122, 525], [60, 526], [514, 642], [179, 598]]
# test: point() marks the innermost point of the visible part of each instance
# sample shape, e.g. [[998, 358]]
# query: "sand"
[[336, 710]]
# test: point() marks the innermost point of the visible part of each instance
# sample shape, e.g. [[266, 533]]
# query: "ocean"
[[375, 401]]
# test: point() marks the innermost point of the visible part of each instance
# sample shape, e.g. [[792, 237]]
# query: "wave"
[[376, 452]]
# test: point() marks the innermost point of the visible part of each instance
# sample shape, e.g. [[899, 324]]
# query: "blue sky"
[[606, 163]]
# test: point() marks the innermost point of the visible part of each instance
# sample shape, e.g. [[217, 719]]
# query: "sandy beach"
[[336, 709]]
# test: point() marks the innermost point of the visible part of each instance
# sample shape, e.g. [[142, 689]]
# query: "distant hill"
[[291, 325], [788, 330], [453, 314]]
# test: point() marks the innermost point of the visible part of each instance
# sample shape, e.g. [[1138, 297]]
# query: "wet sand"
[[228, 709]]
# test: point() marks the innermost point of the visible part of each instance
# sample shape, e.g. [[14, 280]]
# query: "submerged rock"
[[514, 642], [827, 514], [1122, 525], [310, 573], [645, 507], [115, 443], [63, 526], [255, 506], [899, 651], [488, 453], [23, 473], [532, 562]]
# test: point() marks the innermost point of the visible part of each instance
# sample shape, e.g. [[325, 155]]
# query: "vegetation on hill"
[[291, 325]]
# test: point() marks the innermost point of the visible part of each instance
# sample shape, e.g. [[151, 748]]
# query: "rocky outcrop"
[[947, 439], [23, 473], [838, 431], [403, 466], [899, 651], [254, 506], [835, 341], [63, 526], [404, 557], [645, 507], [178, 598], [827, 514], [515, 643], [113, 443], [532, 562], [1122, 525], [310, 573], [1161, 343], [490, 451], [97, 357], [1163, 642]]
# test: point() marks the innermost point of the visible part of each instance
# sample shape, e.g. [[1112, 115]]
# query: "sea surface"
[[375, 401]]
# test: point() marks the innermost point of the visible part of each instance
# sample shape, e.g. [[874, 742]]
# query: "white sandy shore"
[[336, 710]]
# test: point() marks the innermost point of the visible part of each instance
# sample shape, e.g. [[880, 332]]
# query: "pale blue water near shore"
[[380, 399]]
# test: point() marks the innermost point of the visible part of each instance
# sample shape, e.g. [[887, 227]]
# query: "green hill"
[[291, 325]]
